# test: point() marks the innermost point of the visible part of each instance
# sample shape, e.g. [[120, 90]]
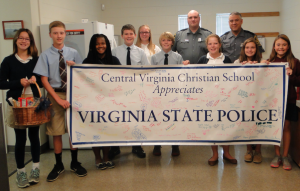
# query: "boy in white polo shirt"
[[167, 57], [129, 54]]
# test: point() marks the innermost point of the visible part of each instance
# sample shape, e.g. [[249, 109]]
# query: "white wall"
[[163, 15], [69, 11], [36, 12], [12, 10], [18, 10], [290, 19]]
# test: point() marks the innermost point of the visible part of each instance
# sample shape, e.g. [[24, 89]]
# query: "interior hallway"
[[189, 171]]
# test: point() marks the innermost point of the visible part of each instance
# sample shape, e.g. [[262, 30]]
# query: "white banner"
[[176, 105]]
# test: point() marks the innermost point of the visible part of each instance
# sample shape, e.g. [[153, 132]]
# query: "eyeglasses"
[[144, 32], [22, 39]]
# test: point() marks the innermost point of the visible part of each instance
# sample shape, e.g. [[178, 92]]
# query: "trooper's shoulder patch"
[[183, 29], [206, 30], [223, 35]]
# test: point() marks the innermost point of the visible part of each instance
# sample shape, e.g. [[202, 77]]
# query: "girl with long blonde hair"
[[144, 41]]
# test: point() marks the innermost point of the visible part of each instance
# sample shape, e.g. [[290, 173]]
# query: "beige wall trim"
[[268, 34], [260, 14]]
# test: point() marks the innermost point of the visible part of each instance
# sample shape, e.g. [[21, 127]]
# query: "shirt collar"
[[211, 58], [125, 46], [198, 31], [170, 52], [56, 50], [21, 60], [242, 33]]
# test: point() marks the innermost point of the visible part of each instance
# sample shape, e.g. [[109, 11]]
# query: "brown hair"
[[128, 27], [167, 35], [150, 46], [216, 36], [289, 54], [257, 55], [56, 24], [31, 50]]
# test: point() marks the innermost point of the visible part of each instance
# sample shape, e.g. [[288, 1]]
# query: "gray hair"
[[236, 13]]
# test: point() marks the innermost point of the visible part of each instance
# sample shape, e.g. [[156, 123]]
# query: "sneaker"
[[286, 163], [257, 158], [56, 171], [34, 176], [175, 150], [78, 169], [22, 180], [114, 151], [138, 150], [156, 150], [101, 166], [110, 164], [248, 156], [276, 162]]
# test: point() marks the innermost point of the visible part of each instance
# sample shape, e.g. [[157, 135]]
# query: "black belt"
[[59, 90]]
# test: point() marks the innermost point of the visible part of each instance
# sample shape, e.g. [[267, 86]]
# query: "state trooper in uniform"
[[190, 42], [232, 41]]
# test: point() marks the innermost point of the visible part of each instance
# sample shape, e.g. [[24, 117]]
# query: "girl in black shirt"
[[16, 75], [100, 53]]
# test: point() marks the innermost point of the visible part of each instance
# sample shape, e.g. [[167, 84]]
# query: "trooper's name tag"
[[199, 39], [186, 40]]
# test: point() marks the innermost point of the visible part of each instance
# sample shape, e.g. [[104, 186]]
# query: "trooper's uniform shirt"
[[191, 46], [232, 45]]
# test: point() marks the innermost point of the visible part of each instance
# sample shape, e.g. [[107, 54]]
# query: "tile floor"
[[189, 171]]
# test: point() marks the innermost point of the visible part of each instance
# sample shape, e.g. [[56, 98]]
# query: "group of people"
[[193, 45]]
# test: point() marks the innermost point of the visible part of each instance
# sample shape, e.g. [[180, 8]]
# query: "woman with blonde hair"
[[144, 41]]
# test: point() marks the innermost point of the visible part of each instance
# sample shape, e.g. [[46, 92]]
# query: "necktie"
[[166, 59], [62, 70], [128, 61]]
